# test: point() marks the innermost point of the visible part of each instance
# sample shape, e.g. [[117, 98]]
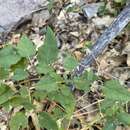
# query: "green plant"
[[115, 104], [50, 5], [28, 91], [44, 97]]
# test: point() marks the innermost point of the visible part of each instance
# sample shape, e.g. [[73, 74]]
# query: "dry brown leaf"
[[35, 120], [15, 39], [104, 21], [80, 45], [128, 59], [39, 106], [3, 126], [78, 55], [126, 50]]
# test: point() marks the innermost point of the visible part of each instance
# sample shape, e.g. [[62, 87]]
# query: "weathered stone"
[[13, 11]]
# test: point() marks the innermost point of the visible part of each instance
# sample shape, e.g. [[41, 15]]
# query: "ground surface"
[[76, 30]]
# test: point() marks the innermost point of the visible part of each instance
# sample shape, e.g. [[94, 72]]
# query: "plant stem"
[[110, 33]]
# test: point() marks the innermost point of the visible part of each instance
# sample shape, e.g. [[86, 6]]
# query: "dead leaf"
[[126, 51], [35, 120], [128, 59], [15, 39], [104, 21], [78, 55]]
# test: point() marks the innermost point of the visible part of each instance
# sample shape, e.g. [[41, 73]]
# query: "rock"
[[102, 22], [13, 11], [126, 51], [91, 10], [62, 15], [39, 18], [78, 2], [75, 34]]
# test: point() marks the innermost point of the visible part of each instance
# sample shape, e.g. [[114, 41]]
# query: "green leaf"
[[106, 104], [113, 90], [22, 64], [84, 82], [3, 89], [20, 74], [5, 94], [20, 101], [19, 120], [9, 98], [70, 62], [109, 125], [4, 73], [124, 118], [8, 56], [112, 111], [118, 1], [88, 44], [62, 98], [39, 95], [24, 92], [47, 53], [43, 68], [58, 113], [50, 5], [25, 47], [72, 9], [46, 121], [56, 77], [47, 83]]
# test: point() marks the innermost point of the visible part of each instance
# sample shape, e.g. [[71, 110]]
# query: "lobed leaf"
[[20, 74], [84, 82], [47, 53], [43, 68], [5, 94], [65, 98], [19, 120], [113, 90], [8, 56], [124, 118], [70, 62], [4, 73], [25, 47], [46, 121], [47, 84], [109, 125]]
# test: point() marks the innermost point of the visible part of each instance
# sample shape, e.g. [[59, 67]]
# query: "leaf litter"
[[73, 30]]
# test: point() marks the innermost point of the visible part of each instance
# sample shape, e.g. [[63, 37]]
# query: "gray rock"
[[12, 11], [90, 10]]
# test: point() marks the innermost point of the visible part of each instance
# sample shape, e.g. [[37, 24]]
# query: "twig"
[[110, 33], [88, 106], [85, 113]]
